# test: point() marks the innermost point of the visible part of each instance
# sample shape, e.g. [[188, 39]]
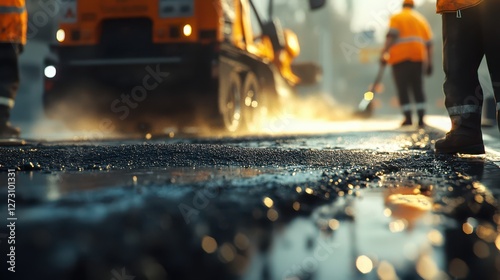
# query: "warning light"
[[61, 35], [187, 30], [369, 95]]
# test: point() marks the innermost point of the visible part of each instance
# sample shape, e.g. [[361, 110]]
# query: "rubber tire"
[[232, 104], [253, 104]]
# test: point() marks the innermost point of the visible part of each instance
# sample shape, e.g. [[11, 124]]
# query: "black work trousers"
[[468, 36], [408, 77], [9, 77]]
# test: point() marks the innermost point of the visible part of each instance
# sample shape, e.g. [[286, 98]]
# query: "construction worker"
[[13, 28], [408, 48], [470, 32]]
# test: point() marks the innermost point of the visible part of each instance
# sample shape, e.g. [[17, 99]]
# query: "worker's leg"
[[416, 84], [462, 54], [491, 40], [9, 83], [402, 81]]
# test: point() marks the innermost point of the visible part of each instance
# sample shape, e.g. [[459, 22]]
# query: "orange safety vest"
[[447, 6], [412, 33], [13, 21]]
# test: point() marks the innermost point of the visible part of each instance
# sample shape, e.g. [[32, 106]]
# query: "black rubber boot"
[[455, 143], [465, 137], [407, 121], [421, 114], [9, 131]]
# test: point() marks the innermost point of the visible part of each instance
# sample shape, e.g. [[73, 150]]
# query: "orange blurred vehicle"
[[146, 61]]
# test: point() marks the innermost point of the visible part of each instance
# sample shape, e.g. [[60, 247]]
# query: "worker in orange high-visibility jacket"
[[470, 32], [408, 48], [13, 29]]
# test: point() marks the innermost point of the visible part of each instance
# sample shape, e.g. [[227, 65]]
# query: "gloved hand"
[[429, 69], [383, 58]]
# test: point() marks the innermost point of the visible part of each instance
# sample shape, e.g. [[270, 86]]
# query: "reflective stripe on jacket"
[[447, 6], [412, 35], [13, 21]]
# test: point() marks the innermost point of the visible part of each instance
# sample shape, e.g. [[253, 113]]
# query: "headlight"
[[50, 71], [187, 30], [61, 35]]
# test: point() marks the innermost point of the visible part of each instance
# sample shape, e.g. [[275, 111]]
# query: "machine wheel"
[[254, 107], [232, 104]]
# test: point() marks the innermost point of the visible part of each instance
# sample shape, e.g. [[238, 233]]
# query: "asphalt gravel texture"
[[165, 229]]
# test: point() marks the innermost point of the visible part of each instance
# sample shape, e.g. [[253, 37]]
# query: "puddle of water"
[[444, 232], [43, 186], [370, 244], [380, 234]]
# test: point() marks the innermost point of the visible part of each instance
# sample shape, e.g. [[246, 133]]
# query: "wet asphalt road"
[[357, 205]]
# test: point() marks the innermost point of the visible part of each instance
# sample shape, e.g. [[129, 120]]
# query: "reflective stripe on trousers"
[[464, 109], [406, 107], [419, 106]]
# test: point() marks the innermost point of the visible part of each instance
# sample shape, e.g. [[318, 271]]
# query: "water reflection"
[[441, 227], [406, 206], [406, 224]]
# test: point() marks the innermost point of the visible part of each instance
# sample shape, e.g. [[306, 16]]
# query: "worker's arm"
[[389, 41]]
